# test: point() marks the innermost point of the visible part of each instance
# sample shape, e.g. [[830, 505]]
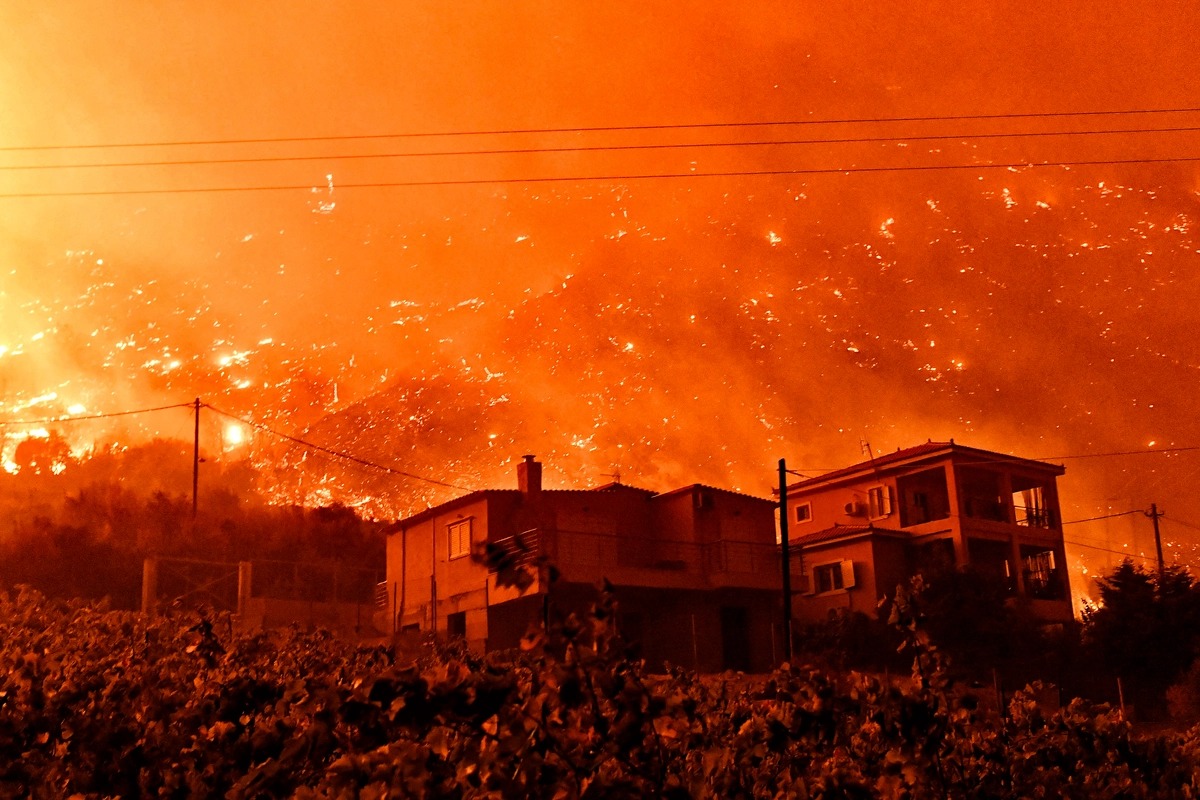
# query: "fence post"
[[149, 585], [243, 590]]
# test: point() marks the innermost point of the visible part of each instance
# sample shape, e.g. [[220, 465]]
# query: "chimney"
[[529, 476]]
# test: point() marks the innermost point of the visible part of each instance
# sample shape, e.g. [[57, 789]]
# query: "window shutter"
[[458, 536], [847, 574]]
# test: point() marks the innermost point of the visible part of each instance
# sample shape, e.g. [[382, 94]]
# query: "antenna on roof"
[[865, 446], [615, 475]]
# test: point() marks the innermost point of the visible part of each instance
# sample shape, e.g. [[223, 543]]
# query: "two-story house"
[[862, 530], [696, 570]]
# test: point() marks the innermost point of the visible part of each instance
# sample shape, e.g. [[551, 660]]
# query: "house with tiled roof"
[[860, 531], [696, 570]]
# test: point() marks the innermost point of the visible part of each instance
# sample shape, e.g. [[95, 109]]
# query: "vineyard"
[[100, 703]]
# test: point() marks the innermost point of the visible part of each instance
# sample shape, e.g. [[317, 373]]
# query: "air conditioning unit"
[[856, 509]]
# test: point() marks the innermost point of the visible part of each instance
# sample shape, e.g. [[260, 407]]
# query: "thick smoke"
[[671, 330]]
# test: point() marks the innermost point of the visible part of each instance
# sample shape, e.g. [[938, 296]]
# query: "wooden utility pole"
[[785, 553], [196, 458], [1154, 514]]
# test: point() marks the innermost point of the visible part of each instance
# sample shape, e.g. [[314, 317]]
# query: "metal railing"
[[985, 508], [314, 581], [567, 549], [1034, 517]]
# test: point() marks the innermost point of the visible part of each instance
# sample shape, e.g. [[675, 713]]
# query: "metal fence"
[[225, 585]]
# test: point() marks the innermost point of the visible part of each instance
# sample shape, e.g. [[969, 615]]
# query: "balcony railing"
[[985, 508], [1034, 517], [1044, 585], [600, 553]]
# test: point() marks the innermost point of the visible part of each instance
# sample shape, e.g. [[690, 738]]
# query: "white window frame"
[[458, 538], [879, 502], [841, 574], [807, 509]]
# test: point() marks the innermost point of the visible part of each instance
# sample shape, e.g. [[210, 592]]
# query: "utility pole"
[[785, 552], [196, 458], [1154, 514]]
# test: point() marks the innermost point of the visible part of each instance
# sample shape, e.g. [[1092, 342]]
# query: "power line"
[[1127, 554], [56, 420], [1106, 516], [608, 129], [364, 462], [336, 453], [610, 178], [595, 148], [1112, 454], [1107, 550], [1009, 459], [1191, 525], [1124, 453]]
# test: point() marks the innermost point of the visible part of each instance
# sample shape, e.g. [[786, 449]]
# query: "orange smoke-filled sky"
[[672, 328]]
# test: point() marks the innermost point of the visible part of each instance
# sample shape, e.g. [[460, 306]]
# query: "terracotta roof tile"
[[836, 532]]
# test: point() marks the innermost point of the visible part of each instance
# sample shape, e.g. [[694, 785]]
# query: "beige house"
[[696, 570], [862, 530]]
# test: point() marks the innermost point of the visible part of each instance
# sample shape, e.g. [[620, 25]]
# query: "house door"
[[735, 638]]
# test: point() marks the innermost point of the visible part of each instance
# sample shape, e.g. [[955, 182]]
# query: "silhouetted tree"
[[976, 622], [1144, 630], [43, 454]]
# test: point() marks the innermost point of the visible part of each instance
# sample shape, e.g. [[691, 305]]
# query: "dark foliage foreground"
[[101, 703]]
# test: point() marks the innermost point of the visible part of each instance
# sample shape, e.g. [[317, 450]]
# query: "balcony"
[[585, 557], [1034, 517], [985, 508]]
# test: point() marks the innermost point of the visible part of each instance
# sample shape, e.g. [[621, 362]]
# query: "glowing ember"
[[538, 293]]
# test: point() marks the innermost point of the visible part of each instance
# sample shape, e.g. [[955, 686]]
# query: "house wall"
[[693, 539], [659, 551], [981, 487], [686, 628], [812, 607], [613, 512], [665, 626], [702, 514], [829, 506], [676, 518], [890, 567], [418, 560]]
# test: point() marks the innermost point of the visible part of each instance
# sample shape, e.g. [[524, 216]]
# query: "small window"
[[833, 577], [879, 501], [459, 536], [804, 512], [456, 625]]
